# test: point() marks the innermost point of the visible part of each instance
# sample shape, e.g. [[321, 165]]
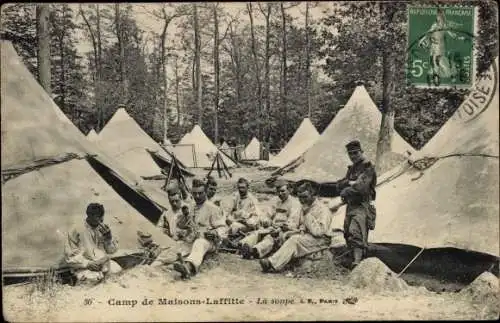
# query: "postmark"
[[441, 46]]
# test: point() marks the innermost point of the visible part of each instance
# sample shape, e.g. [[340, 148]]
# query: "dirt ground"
[[228, 276], [300, 295]]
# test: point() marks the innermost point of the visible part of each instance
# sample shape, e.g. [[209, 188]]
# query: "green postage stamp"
[[441, 46]]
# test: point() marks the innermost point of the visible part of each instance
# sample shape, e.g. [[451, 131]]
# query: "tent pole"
[[413, 260]]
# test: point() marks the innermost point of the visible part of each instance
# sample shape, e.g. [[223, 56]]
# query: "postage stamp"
[[441, 46]]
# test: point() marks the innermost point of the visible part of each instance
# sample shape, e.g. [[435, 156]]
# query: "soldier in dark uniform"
[[357, 189]]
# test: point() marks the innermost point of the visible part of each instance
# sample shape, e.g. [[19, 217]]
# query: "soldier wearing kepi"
[[357, 189], [284, 216], [209, 227], [313, 233]]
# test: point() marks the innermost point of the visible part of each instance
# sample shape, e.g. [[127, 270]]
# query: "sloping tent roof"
[[252, 150], [92, 135], [360, 119], [184, 138], [304, 137], [224, 145], [38, 207], [125, 140], [454, 202], [204, 150]]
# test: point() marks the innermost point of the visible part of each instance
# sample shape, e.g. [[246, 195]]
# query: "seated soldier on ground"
[[212, 191], [312, 235], [174, 221], [88, 245], [244, 212], [208, 227], [285, 216]]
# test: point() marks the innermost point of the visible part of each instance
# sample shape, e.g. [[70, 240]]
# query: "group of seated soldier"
[[293, 229]]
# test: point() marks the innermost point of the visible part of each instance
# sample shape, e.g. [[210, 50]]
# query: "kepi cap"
[[354, 145]]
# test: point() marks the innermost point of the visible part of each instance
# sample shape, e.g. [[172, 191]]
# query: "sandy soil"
[[229, 276]]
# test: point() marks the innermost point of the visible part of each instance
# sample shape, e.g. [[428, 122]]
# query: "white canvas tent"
[[92, 135], [360, 119], [453, 201], [125, 140], [49, 177], [304, 137], [199, 151], [252, 150]]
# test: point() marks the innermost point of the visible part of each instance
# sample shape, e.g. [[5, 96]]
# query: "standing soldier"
[[357, 189]]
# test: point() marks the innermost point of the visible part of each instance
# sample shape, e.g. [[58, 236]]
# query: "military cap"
[[95, 209], [306, 186], [353, 146], [243, 180]]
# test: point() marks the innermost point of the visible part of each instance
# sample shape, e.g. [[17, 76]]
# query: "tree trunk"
[[100, 109], [217, 73], [308, 63], [267, 71], [164, 76], [284, 72], [237, 66], [43, 33], [121, 46], [388, 74], [257, 71], [197, 55], [177, 103], [63, 75]]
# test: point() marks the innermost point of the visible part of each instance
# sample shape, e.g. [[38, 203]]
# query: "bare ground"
[[228, 276]]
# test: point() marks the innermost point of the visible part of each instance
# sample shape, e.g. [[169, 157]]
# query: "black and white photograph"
[[250, 161]]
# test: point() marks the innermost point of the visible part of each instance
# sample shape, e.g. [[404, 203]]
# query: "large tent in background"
[[449, 198], [92, 135], [50, 172], [252, 150], [125, 140], [196, 150], [327, 160], [304, 137]]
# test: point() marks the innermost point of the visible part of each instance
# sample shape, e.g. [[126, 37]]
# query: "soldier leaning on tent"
[[208, 225], [357, 189], [284, 217], [313, 233], [88, 245]]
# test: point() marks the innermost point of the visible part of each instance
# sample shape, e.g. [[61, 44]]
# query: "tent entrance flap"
[[446, 264], [138, 201]]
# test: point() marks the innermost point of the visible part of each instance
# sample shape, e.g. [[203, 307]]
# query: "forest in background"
[[236, 78]]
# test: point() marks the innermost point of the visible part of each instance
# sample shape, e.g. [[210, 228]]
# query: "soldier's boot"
[[358, 256]]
